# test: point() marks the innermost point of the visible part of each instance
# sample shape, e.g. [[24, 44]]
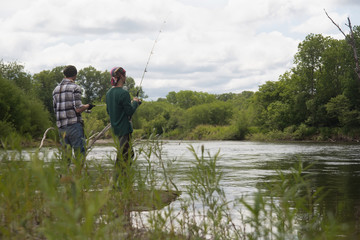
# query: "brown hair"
[[70, 71]]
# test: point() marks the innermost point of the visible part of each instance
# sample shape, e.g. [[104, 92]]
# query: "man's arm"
[[82, 108], [79, 107]]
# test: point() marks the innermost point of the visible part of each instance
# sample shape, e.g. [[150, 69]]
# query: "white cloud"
[[214, 45]]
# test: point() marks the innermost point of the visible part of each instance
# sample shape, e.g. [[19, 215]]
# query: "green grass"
[[42, 199]]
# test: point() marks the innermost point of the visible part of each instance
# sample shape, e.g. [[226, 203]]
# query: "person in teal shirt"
[[120, 109]]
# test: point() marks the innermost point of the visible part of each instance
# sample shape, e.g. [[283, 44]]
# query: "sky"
[[213, 46]]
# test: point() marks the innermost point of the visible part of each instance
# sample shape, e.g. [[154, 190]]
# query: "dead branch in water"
[[44, 136], [92, 139]]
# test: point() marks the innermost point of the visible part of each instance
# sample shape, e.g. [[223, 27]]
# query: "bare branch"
[[44, 136], [92, 139], [335, 24], [353, 45], [99, 135], [351, 41]]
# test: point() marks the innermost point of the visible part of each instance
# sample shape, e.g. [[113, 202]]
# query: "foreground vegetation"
[[317, 99], [45, 199]]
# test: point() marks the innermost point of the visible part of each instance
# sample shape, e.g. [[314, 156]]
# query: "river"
[[244, 164], [247, 165]]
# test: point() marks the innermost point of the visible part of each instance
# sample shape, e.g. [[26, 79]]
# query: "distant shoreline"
[[109, 141]]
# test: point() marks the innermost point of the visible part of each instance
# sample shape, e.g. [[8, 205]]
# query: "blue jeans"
[[73, 135]]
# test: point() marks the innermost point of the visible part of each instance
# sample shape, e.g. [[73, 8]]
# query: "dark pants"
[[125, 155], [73, 135]]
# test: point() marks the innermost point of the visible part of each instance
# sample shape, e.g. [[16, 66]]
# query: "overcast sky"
[[214, 46]]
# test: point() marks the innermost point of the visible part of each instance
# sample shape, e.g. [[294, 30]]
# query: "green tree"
[[278, 115], [339, 108], [20, 112], [15, 72], [171, 97], [154, 115], [96, 84], [294, 97], [215, 113], [130, 86], [268, 93], [44, 84], [321, 72], [186, 98], [308, 61], [225, 96], [89, 79], [242, 100], [103, 85]]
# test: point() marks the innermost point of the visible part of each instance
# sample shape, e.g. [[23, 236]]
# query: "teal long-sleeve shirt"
[[120, 109]]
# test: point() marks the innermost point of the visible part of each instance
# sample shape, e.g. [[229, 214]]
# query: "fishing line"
[[151, 53], [98, 135]]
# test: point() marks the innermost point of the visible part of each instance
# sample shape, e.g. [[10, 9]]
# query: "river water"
[[245, 165]]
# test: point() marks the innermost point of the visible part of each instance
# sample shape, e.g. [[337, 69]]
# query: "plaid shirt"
[[67, 98]]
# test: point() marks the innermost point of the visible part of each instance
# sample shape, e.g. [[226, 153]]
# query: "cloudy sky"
[[214, 46]]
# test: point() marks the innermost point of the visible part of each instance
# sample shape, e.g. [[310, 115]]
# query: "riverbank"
[[243, 161], [258, 137]]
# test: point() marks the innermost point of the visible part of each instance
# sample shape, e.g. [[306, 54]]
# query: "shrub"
[[6, 128], [21, 111], [215, 113], [303, 132]]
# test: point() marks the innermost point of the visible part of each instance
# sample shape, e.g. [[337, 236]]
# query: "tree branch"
[[353, 45], [99, 135], [44, 136], [351, 41], [335, 24], [92, 139]]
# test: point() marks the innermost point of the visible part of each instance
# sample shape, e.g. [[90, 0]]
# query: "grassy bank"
[[301, 133], [46, 199], [203, 132]]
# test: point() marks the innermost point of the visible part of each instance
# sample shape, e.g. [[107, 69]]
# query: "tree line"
[[317, 99]]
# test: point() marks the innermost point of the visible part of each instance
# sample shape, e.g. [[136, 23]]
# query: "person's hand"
[[137, 100], [90, 106]]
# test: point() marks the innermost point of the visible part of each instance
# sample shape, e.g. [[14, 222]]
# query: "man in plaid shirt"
[[68, 108]]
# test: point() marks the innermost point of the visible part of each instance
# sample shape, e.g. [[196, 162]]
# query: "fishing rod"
[[151, 53], [98, 135], [147, 63]]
